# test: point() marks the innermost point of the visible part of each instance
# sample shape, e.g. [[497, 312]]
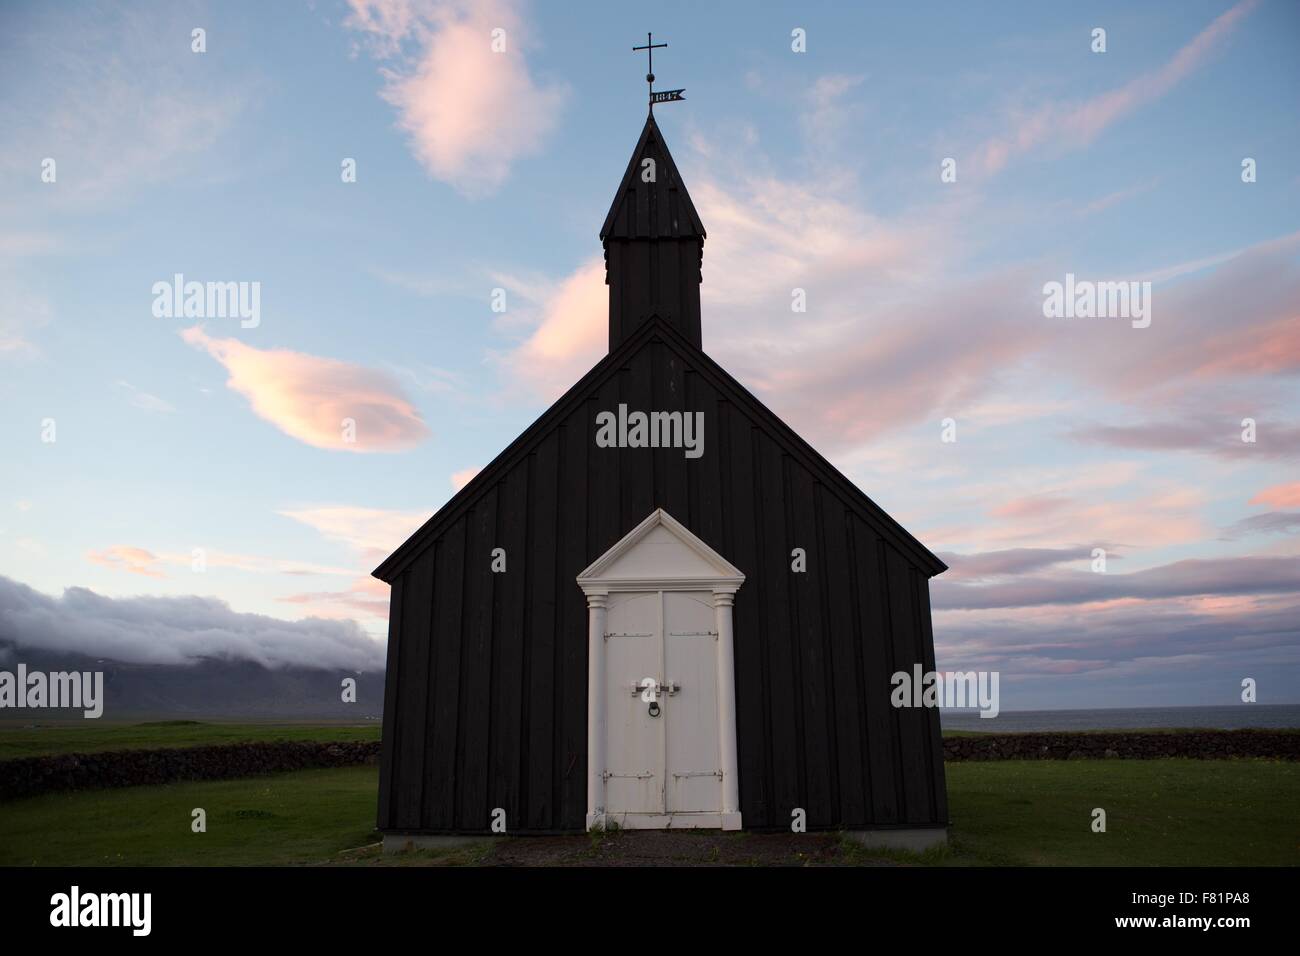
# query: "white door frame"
[[712, 574]]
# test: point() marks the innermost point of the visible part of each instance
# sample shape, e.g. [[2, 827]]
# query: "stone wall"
[[1126, 744], [28, 776]]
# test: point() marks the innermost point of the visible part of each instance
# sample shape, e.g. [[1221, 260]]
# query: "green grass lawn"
[[31, 739], [303, 817], [1159, 812], [1170, 812]]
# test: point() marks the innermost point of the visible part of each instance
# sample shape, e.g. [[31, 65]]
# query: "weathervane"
[[663, 96]]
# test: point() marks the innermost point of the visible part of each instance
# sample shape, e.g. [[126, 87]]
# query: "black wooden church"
[[688, 620]]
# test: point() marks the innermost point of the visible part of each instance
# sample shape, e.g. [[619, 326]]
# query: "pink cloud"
[[899, 333], [1255, 294], [1279, 496], [459, 479], [887, 367], [256, 564], [141, 561], [1165, 514], [374, 532], [1273, 348], [470, 112], [891, 339], [1033, 506], [133, 560], [1224, 605], [770, 236], [1234, 325], [571, 335], [365, 596], [1075, 125], [312, 398]]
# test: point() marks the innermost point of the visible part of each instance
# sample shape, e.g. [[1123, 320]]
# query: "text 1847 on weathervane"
[[663, 96]]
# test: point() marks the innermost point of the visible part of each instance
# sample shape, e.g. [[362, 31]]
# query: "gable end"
[[698, 361]]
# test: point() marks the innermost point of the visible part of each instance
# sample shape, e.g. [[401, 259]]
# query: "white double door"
[[662, 758]]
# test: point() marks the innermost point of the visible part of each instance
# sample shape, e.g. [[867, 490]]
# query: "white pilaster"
[[722, 604], [597, 611]]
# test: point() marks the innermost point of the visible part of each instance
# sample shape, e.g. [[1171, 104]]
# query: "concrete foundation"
[[915, 840]]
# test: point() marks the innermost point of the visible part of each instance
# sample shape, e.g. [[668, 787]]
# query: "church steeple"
[[654, 244]]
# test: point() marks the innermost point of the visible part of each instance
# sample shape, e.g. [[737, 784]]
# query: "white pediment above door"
[[660, 553]]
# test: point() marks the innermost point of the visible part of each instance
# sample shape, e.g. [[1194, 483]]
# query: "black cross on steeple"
[[665, 96]]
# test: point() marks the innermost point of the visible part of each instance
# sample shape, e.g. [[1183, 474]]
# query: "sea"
[[1234, 717]]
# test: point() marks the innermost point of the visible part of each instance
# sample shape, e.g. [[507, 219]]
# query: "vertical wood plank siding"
[[486, 700]]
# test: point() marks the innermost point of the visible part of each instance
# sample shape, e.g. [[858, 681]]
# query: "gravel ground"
[[678, 848]]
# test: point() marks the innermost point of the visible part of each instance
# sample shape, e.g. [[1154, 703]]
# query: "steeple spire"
[[654, 244]]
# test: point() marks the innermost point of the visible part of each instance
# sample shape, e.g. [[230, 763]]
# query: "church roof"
[[652, 210], [656, 329]]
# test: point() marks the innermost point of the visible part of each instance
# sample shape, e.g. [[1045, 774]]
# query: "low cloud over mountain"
[[176, 630]]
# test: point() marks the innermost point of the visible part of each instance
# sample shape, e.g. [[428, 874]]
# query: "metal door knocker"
[[649, 688]]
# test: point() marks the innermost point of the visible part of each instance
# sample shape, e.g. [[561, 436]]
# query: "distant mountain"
[[209, 688]]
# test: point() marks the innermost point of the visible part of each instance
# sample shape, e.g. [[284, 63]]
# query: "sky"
[[176, 486]]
